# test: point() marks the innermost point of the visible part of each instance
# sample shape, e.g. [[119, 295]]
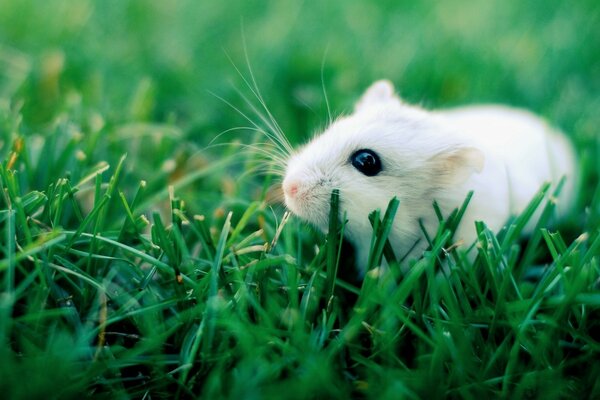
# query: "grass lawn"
[[142, 256]]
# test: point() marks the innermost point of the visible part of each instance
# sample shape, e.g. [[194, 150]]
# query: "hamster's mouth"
[[309, 207]]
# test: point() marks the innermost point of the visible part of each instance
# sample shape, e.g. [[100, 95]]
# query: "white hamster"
[[388, 148]]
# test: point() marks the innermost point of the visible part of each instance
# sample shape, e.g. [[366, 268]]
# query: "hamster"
[[388, 148]]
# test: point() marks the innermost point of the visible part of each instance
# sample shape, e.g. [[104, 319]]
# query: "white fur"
[[503, 154]]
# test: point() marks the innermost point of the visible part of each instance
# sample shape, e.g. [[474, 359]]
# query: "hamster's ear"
[[455, 166], [379, 92]]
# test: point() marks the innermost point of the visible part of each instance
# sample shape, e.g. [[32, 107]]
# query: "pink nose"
[[290, 188]]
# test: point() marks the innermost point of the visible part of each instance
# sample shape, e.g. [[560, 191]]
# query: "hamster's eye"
[[366, 161]]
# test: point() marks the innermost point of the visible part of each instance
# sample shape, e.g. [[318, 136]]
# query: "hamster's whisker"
[[267, 170], [323, 85], [273, 137], [256, 91], [237, 128], [263, 169], [268, 155], [277, 196], [275, 134], [236, 109], [272, 155], [272, 151], [269, 167], [271, 122]]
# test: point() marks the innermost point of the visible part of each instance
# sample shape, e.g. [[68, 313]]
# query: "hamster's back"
[[531, 151]]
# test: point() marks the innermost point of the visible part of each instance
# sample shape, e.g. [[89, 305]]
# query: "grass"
[[140, 260]]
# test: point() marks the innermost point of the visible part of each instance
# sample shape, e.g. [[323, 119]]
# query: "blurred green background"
[[543, 55]]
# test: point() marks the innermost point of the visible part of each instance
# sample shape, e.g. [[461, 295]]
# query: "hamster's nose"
[[290, 188]]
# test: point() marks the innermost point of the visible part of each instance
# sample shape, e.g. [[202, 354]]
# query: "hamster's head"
[[385, 148]]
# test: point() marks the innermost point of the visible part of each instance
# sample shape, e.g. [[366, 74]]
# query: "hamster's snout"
[[307, 197], [291, 193], [290, 188]]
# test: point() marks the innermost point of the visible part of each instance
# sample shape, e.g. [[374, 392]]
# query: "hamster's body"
[[387, 148], [521, 153]]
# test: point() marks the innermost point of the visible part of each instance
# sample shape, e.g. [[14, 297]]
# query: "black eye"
[[366, 161]]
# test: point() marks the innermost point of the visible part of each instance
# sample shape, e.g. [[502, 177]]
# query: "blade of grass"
[[333, 242]]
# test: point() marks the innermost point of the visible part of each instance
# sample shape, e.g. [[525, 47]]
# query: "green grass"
[[139, 259]]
